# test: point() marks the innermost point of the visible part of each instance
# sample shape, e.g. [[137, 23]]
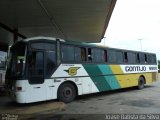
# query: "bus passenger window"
[[67, 52], [83, 54], [138, 58], [89, 54], [125, 57], [119, 57], [142, 58], [105, 56], [145, 58], [77, 54]]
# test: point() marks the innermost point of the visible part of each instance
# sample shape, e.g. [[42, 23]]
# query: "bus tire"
[[66, 92], [141, 83]]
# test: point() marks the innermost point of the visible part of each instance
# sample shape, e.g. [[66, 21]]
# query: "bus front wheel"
[[66, 92], [141, 83]]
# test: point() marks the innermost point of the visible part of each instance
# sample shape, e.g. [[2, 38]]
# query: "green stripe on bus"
[[112, 81], [103, 83], [100, 81]]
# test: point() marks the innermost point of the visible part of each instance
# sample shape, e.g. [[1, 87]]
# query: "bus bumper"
[[18, 97]]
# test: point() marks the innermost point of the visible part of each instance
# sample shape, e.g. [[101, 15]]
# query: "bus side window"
[[105, 56], [142, 58], [67, 53], [145, 58], [131, 57], [149, 58], [119, 57], [98, 55], [125, 57], [153, 59], [138, 58], [89, 54], [83, 54], [111, 56], [77, 54]]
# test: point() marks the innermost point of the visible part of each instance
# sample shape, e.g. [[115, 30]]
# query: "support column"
[[14, 32], [15, 35]]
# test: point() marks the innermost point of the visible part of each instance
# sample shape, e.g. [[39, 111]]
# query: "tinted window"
[[36, 67], [145, 58], [83, 54], [16, 60], [153, 59], [149, 57], [77, 54], [125, 57], [67, 53], [119, 57], [131, 57], [98, 55], [43, 46], [50, 63], [90, 54], [111, 56], [137, 58], [105, 56], [142, 58]]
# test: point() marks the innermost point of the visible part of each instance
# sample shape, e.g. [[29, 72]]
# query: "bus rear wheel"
[[66, 92], [141, 83]]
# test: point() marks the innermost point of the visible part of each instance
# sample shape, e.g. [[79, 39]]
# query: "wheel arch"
[[71, 82], [143, 78]]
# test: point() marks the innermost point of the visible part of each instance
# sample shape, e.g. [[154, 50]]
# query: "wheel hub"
[[67, 92]]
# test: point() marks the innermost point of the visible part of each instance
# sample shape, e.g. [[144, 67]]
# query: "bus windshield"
[[2, 64], [16, 60], [3, 56]]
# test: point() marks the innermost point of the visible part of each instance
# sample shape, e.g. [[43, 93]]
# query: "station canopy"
[[76, 20]]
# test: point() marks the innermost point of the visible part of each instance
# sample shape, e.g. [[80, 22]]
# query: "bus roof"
[[75, 43], [42, 37]]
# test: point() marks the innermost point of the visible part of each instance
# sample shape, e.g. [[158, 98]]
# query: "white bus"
[[44, 68]]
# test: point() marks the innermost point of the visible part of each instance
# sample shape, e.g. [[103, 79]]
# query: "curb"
[[32, 110]]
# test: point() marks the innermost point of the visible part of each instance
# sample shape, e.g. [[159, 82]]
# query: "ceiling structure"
[[76, 20]]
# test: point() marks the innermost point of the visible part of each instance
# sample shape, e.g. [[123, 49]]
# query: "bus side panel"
[[77, 74], [120, 76], [50, 89], [35, 92], [154, 76], [98, 77], [130, 78], [102, 76], [151, 77], [88, 86]]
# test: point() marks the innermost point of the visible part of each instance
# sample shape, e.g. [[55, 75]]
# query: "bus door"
[[36, 89], [50, 64]]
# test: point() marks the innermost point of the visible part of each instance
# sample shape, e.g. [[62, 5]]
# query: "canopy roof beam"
[[11, 30]]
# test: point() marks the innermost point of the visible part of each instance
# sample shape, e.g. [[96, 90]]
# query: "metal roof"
[[76, 20]]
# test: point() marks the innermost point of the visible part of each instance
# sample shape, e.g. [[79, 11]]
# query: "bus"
[[45, 68]]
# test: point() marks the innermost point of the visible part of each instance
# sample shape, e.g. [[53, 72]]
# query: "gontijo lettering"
[[135, 68]]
